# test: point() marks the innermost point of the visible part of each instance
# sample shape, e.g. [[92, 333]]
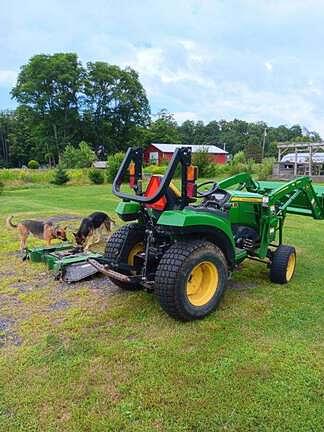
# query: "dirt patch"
[[100, 282], [9, 300], [7, 336], [7, 273], [5, 324], [239, 285], [42, 280], [95, 283], [60, 305], [63, 218]]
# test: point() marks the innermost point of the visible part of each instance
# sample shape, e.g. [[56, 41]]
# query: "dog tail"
[[9, 222]]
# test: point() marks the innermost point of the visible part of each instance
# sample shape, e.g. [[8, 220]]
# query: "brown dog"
[[44, 230]]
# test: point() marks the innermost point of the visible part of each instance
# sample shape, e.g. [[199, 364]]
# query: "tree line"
[[62, 102]]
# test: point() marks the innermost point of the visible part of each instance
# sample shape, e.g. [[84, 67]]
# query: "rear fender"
[[187, 223]]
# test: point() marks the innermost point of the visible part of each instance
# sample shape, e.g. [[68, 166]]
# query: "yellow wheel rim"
[[136, 249], [202, 283], [291, 267]]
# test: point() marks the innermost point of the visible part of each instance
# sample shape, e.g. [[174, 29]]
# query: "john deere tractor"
[[184, 244]]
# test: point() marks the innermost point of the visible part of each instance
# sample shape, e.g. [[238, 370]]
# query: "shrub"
[[96, 176], [78, 157], [33, 164], [202, 160], [239, 157], [264, 170], [114, 161], [155, 169], [248, 167], [60, 176]]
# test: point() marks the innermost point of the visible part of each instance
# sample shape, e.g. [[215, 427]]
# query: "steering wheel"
[[210, 191]]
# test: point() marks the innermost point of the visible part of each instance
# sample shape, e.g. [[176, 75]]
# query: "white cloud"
[[7, 78], [234, 99], [172, 63], [268, 66], [175, 80], [148, 61]]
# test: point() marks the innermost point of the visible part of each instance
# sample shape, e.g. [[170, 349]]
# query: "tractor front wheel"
[[191, 279], [283, 264]]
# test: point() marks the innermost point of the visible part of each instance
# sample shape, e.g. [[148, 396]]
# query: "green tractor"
[[184, 244]]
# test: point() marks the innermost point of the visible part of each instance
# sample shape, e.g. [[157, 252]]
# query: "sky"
[[254, 60]]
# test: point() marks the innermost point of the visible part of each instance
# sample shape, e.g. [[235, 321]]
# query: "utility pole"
[[263, 141]]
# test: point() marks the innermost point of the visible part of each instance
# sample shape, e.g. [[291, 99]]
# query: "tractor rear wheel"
[[191, 279], [283, 264], [123, 246]]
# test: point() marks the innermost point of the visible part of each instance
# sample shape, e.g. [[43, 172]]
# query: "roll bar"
[[181, 155]]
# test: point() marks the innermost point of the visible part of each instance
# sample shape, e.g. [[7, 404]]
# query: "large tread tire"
[[283, 264], [118, 248], [173, 274]]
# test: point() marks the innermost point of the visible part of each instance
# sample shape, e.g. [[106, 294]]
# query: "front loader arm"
[[242, 179], [298, 197]]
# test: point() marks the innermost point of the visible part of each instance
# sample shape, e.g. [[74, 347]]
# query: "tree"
[[164, 129], [212, 132], [115, 105], [60, 176], [81, 157], [253, 150], [187, 132], [18, 137], [6, 127], [50, 85]]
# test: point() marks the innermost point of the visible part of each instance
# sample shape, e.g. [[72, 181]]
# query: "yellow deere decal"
[[246, 199]]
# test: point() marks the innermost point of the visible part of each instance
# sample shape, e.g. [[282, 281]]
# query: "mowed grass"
[[86, 357]]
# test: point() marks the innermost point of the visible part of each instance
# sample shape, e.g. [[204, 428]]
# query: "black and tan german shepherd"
[[41, 229], [91, 225]]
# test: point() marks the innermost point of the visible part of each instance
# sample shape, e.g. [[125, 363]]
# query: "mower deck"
[[68, 263]]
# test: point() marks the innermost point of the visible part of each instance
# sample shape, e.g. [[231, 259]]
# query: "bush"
[[80, 157], [33, 164], [240, 164], [239, 157], [248, 167], [155, 169], [202, 160], [60, 176], [96, 176], [114, 161], [264, 170]]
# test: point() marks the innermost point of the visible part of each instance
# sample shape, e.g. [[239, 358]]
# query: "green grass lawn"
[[88, 357]]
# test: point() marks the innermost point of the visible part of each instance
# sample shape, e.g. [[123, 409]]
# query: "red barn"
[[156, 153]]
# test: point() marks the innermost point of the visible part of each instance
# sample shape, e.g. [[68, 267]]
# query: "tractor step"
[[108, 272]]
